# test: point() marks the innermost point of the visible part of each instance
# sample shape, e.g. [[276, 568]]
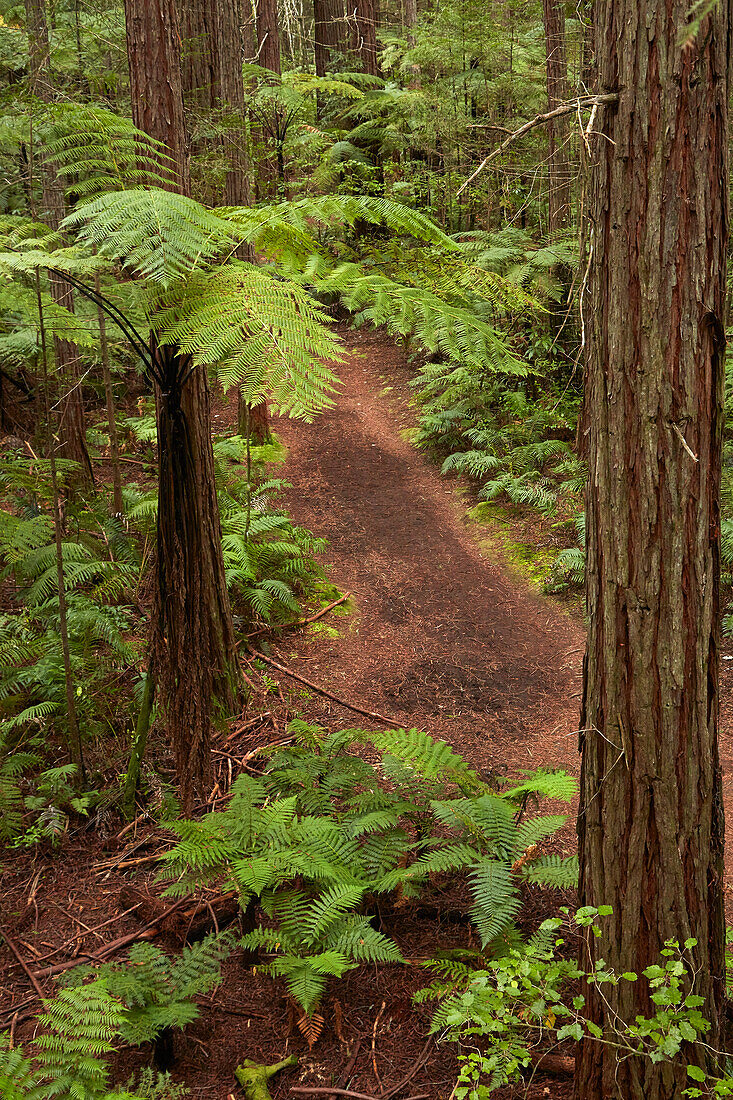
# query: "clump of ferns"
[[100, 569], [270, 563], [519, 449], [80, 1027], [324, 833]]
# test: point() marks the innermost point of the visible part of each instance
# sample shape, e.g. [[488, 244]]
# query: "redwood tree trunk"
[[194, 656], [211, 75], [194, 643], [327, 33], [558, 129], [366, 20], [253, 421], [72, 442], [268, 35], [154, 59], [650, 822]]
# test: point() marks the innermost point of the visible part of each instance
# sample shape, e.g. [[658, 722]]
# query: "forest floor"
[[439, 636]]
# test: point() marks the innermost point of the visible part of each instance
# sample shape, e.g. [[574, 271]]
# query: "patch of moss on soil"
[[497, 530]]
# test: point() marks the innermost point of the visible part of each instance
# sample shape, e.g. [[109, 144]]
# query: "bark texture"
[[650, 822], [194, 660], [194, 643], [365, 23], [328, 16], [211, 73], [558, 129], [268, 35], [71, 428], [253, 421], [154, 59]]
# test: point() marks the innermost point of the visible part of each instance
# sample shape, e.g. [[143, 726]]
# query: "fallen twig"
[[323, 691], [31, 976], [148, 932], [374, 1045], [394, 1089], [326, 1091], [299, 622], [321, 1091], [247, 725]]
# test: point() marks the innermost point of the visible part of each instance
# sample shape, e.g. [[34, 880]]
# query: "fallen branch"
[[321, 1091], [247, 725], [300, 622], [323, 691], [148, 932], [539, 120], [29, 973]]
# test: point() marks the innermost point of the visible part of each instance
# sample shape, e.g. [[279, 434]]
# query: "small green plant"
[[324, 830], [521, 998], [316, 939], [156, 992], [67, 1060]]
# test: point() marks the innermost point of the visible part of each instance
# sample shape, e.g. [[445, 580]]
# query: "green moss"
[[495, 538]]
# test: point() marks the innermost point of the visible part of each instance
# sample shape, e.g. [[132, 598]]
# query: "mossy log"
[[254, 1077]]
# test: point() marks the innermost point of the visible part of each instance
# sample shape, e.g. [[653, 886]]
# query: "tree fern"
[[267, 337]]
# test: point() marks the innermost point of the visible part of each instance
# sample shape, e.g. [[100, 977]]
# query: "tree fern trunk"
[[194, 661], [650, 822]]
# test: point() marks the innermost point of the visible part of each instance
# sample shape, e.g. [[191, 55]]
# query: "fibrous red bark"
[[650, 822]]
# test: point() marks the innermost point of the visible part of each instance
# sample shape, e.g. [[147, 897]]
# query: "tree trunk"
[[194, 660], [253, 421], [409, 16], [231, 96], [72, 442], [327, 33], [366, 20], [211, 74], [194, 644], [650, 822], [558, 129], [153, 54], [268, 36]]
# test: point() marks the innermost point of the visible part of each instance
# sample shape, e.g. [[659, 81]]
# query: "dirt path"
[[442, 639]]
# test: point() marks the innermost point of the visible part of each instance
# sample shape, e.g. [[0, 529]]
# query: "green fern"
[[158, 992], [81, 1026]]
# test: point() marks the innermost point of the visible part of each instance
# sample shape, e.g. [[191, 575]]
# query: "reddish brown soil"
[[442, 638]]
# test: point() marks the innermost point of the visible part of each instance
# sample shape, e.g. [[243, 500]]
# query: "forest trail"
[[442, 639]]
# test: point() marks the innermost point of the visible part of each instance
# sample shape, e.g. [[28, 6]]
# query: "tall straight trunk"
[[268, 35], [194, 658], [558, 129], [588, 50], [650, 822], [72, 442], [409, 17], [231, 95], [366, 20], [211, 74], [153, 55], [328, 16]]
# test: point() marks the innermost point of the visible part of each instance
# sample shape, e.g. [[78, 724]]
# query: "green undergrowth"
[[273, 573]]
